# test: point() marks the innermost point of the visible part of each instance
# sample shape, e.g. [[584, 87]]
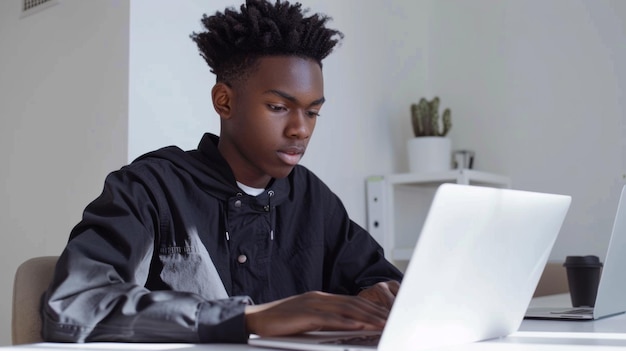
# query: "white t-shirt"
[[250, 190]]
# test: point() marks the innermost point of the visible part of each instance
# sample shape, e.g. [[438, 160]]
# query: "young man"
[[233, 238]]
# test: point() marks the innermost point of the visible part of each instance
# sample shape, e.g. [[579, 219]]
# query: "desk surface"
[[536, 335], [609, 332]]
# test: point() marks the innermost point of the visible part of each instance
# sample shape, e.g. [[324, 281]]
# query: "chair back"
[[553, 280], [31, 280]]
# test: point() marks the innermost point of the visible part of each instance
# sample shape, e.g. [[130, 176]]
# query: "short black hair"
[[234, 41]]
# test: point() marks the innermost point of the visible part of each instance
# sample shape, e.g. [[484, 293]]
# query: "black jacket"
[[172, 251]]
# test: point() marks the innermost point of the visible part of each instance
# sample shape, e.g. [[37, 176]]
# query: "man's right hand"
[[313, 311]]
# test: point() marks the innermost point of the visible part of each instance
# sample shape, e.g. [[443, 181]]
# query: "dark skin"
[[267, 121]]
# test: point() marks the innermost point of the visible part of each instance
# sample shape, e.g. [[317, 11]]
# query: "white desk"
[[533, 335], [609, 332]]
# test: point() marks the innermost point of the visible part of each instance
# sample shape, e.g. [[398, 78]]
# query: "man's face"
[[272, 116]]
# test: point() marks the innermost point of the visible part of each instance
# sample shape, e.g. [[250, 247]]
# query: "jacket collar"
[[275, 193]]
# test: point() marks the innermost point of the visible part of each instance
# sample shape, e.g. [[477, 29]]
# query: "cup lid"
[[582, 261]]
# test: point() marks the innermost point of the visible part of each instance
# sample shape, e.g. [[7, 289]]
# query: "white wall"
[[63, 123], [169, 83], [540, 96]]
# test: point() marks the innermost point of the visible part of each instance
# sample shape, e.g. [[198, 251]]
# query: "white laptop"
[[473, 271], [611, 296]]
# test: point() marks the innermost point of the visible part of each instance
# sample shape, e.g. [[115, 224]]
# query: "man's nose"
[[300, 125]]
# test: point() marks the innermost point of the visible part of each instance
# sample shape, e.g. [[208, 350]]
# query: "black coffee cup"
[[583, 277]]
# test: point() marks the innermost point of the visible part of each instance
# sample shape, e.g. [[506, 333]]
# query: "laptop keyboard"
[[369, 340]]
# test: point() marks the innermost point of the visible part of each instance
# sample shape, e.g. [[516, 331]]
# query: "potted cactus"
[[430, 150]]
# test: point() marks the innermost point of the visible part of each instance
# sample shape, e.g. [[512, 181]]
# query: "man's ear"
[[222, 96]]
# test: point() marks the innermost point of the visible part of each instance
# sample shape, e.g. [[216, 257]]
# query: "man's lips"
[[291, 155]]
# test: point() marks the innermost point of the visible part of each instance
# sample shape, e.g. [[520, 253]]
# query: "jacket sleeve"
[[356, 261], [98, 291]]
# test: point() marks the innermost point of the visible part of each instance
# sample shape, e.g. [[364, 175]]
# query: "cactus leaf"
[[425, 118]]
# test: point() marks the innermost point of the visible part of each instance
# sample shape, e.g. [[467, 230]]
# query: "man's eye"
[[313, 114], [275, 107]]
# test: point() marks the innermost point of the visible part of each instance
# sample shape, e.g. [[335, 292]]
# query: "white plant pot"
[[429, 154]]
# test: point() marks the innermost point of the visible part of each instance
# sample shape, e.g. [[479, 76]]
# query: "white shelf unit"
[[397, 205]]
